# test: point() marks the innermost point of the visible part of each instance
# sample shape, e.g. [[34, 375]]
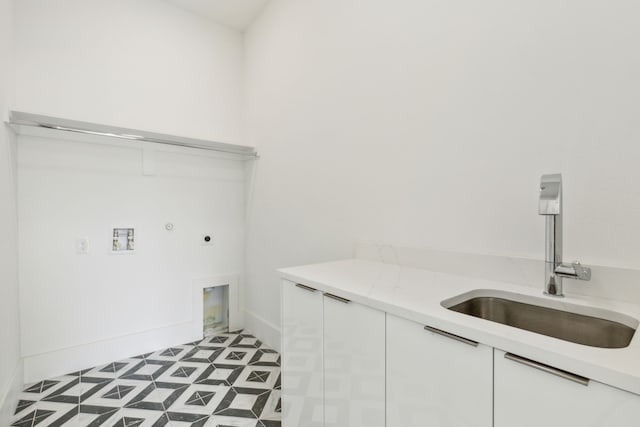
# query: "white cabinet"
[[354, 352], [302, 364], [528, 394], [435, 380], [333, 360]]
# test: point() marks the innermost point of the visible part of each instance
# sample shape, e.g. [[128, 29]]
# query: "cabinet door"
[[354, 354], [302, 367], [436, 380], [526, 396]]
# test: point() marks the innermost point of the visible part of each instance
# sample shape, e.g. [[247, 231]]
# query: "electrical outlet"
[[82, 245], [206, 239]]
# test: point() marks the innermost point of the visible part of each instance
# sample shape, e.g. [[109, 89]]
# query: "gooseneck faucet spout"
[[550, 206]]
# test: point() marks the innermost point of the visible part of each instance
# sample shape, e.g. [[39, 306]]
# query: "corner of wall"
[[263, 329], [9, 396]]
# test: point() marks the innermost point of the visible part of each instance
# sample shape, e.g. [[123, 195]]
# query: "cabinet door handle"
[[548, 369], [452, 336], [337, 298], [306, 288]]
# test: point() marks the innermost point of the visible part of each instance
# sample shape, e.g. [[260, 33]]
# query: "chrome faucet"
[[550, 205]]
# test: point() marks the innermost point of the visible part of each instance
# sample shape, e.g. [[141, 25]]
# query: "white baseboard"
[[71, 359], [9, 395], [266, 331]]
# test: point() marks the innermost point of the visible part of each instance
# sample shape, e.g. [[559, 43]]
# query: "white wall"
[[143, 64], [10, 362], [69, 302], [429, 123]]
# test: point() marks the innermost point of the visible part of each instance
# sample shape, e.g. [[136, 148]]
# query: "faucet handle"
[[583, 273], [574, 270]]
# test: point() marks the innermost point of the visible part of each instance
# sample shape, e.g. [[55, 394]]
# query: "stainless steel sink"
[[578, 324]]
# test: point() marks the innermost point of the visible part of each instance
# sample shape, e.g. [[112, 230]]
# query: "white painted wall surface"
[[143, 64], [10, 362], [429, 123], [79, 310]]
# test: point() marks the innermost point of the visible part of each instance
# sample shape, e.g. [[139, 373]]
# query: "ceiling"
[[237, 14]]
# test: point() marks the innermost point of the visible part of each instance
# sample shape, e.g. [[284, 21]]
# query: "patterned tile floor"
[[225, 380]]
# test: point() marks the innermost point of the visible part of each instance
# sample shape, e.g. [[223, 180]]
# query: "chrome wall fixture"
[[19, 121]]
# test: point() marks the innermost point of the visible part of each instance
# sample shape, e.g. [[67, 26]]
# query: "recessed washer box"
[[123, 240]]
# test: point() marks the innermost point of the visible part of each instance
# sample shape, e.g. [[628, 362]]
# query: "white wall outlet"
[[206, 239], [82, 245]]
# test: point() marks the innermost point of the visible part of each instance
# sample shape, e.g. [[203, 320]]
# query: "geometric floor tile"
[[171, 352], [111, 370], [243, 402], [200, 398], [261, 377], [157, 396], [96, 415], [34, 418], [223, 421], [128, 422], [147, 370], [202, 354], [118, 392], [137, 418], [78, 390], [272, 409], [265, 357], [181, 419], [184, 372], [236, 356], [245, 341], [23, 404], [60, 413], [218, 340], [41, 387], [220, 374], [228, 379], [113, 367]]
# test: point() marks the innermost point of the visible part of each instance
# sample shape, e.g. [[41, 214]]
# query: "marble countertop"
[[416, 294]]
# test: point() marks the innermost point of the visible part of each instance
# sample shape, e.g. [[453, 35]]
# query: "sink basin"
[[578, 324]]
